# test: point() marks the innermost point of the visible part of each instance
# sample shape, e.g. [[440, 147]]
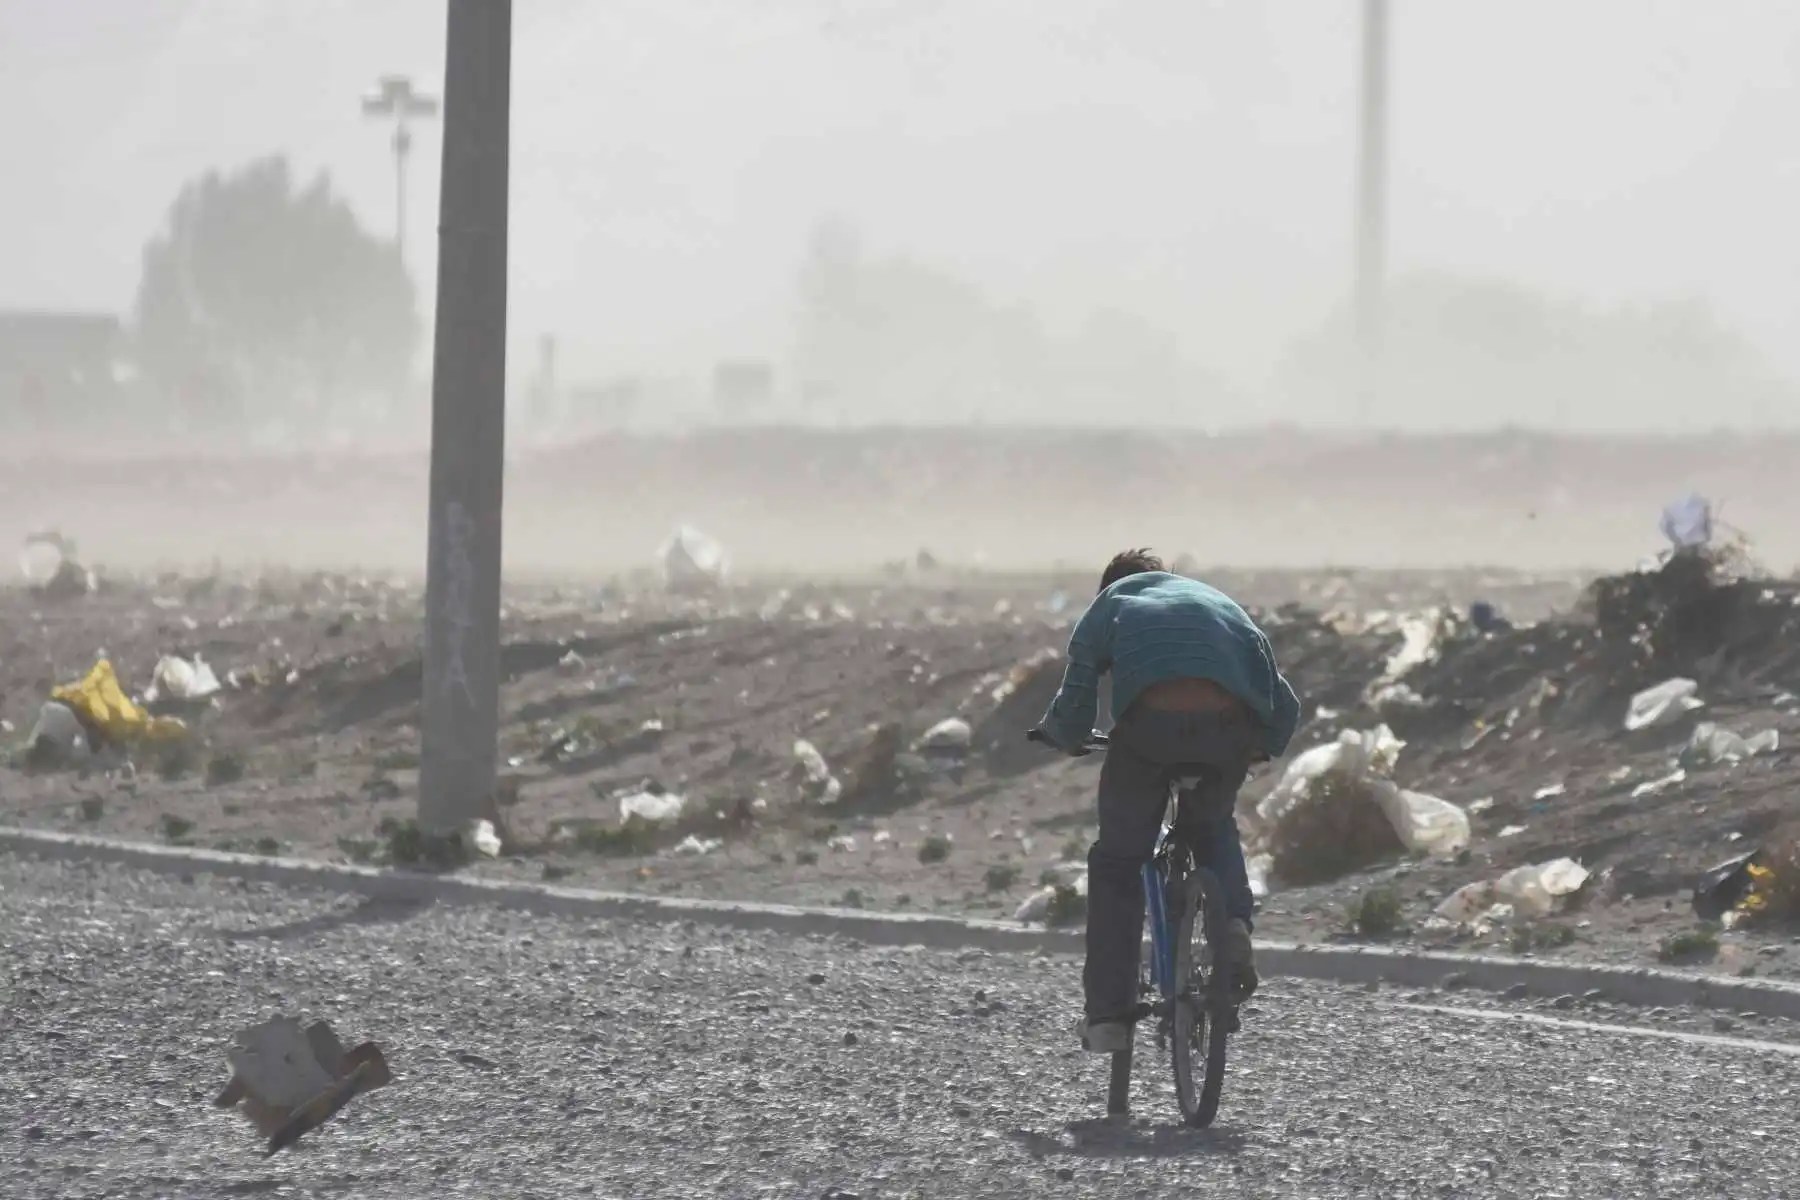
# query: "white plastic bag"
[[1425, 824], [178, 679], [483, 838], [59, 734], [1529, 891], [1711, 744], [690, 559], [1688, 522], [822, 786], [948, 736], [1036, 906], [1259, 867], [654, 807], [1661, 704], [1419, 635], [1364, 755]]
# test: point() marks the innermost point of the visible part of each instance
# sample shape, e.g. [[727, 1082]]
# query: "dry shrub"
[[1774, 896], [1376, 912], [1335, 828]]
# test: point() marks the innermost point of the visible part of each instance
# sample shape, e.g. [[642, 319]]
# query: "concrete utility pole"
[[1371, 208], [460, 716], [394, 96]]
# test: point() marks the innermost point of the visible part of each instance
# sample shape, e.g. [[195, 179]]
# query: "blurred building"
[[57, 368]]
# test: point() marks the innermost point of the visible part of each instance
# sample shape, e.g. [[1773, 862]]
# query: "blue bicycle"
[[1187, 985]]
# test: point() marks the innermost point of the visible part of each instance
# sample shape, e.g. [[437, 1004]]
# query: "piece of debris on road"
[[288, 1081]]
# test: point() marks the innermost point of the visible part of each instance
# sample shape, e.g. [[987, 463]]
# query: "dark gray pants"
[[1134, 792]]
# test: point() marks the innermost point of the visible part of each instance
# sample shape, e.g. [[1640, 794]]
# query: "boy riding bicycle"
[[1194, 684]]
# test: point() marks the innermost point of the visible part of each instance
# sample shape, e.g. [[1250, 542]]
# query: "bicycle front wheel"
[[1199, 1025]]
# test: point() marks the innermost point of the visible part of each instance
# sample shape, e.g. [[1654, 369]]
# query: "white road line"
[[1672, 1035]]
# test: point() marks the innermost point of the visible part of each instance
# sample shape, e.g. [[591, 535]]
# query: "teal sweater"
[[1155, 626]]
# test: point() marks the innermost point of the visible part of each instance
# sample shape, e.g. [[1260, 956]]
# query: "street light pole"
[[460, 711], [394, 96], [1371, 207]]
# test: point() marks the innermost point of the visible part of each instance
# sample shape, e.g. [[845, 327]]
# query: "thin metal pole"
[[459, 721], [1371, 207], [402, 142]]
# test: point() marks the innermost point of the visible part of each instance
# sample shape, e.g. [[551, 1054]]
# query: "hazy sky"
[[1188, 159]]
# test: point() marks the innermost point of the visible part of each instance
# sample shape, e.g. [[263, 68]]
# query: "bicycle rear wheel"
[[1199, 1021]]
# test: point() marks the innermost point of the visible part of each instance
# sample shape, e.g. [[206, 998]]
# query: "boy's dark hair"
[[1130, 562]]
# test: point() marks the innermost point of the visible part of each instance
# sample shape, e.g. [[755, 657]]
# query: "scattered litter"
[[1512, 831], [1712, 744], [1419, 635], [104, 709], [1036, 907], [484, 839], [571, 663], [1534, 891], [1653, 786], [1688, 522], [1423, 823], [1551, 792], [181, 680], [949, 736], [842, 842], [820, 785], [1258, 867], [1033, 668], [882, 837], [289, 1081], [58, 738], [1723, 887], [654, 807], [1481, 805], [1392, 697], [1663, 703], [695, 846], [1359, 754], [691, 561]]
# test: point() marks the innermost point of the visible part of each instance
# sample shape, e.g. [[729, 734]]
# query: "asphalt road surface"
[[551, 1057]]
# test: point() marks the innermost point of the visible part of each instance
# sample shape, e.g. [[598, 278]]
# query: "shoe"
[[1243, 960], [1104, 1037]]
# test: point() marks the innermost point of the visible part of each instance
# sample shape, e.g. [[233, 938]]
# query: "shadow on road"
[[371, 911], [1129, 1137]]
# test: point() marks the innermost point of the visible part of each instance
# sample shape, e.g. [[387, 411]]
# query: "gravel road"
[[551, 1057]]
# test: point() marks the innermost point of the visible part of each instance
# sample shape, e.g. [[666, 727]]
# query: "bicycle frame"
[[1162, 941], [1162, 945]]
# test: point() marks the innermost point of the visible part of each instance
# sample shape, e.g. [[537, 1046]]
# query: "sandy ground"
[[614, 687]]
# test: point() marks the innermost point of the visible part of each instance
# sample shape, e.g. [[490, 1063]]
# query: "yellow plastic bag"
[[104, 708]]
